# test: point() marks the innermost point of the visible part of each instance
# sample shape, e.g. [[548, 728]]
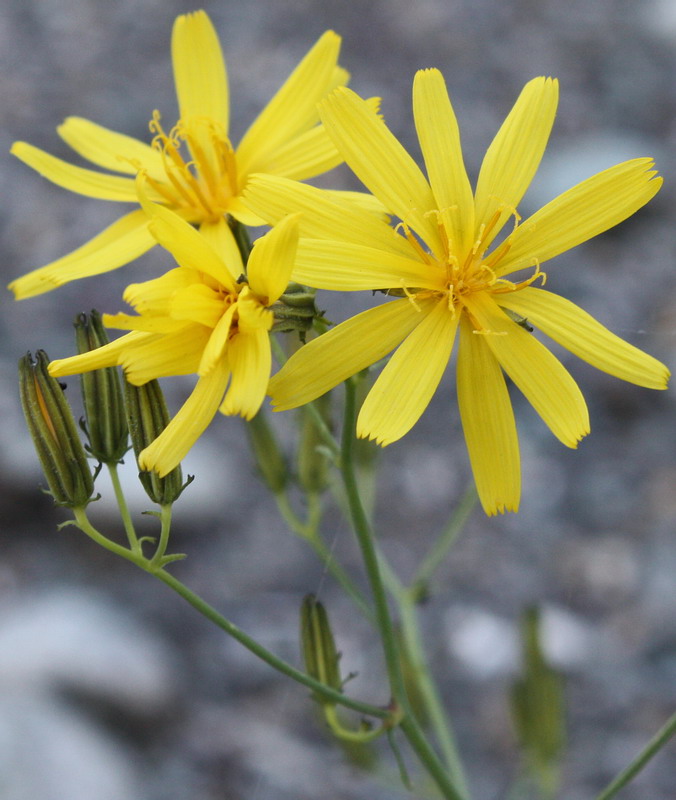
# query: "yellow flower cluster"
[[450, 262]]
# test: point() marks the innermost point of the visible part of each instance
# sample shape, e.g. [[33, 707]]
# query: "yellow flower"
[[193, 168], [202, 317], [440, 263]]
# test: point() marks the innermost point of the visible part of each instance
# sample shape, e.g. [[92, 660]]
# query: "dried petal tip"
[[319, 648], [106, 420], [147, 416], [51, 424]]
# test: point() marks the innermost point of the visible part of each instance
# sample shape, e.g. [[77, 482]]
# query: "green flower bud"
[[319, 648], [269, 458], [313, 460], [106, 420], [296, 310], [147, 416], [55, 435]]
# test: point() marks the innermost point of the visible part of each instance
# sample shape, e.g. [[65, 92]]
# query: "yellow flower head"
[[194, 168], [451, 274], [203, 317]]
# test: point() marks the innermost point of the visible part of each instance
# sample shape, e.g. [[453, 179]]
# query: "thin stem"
[[446, 539], [410, 629], [309, 533], [651, 749], [83, 523], [263, 653], [124, 508], [365, 539], [165, 522], [416, 738]]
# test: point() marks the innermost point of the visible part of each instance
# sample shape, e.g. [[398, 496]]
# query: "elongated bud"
[[313, 460], [296, 310], [319, 648], [106, 420], [57, 441], [148, 416], [269, 457]]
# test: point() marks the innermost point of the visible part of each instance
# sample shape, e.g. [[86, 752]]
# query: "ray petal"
[[380, 162], [162, 355], [193, 418], [106, 356], [272, 259], [580, 333], [341, 266], [488, 424], [514, 156], [411, 377], [345, 350], [199, 69], [250, 360], [293, 108], [110, 149], [542, 378], [78, 179], [439, 138], [117, 245], [591, 207]]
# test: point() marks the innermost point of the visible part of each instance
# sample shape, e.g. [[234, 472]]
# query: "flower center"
[[200, 168]]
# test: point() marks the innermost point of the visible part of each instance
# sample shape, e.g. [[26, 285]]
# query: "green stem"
[[326, 692], [409, 725], [124, 508], [257, 649], [165, 522], [410, 629], [309, 533], [651, 749], [428, 758], [365, 539], [446, 539]]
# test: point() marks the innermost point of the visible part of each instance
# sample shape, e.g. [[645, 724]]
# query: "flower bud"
[[319, 648], [148, 416], [296, 310], [106, 421], [269, 458], [55, 435]]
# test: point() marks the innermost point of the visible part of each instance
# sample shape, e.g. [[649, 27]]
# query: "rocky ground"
[[110, 687]]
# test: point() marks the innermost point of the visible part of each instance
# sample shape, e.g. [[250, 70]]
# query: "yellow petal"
[[272, 259], [199, 69], [77, 179], [580, 333], [154, 296], [380, 162], [411, 377], [342, 352], [218, 340], [172, 445], [221, 238], [117, 245], [542, 378], [197, 303], [187, 246], [586, 210], [161, 355], [250, 360], [106, 356], [341, 266], [111, 150], [488, 423], [324, 215], [514, 155], [439, 138], [146, 322], [293, 109]]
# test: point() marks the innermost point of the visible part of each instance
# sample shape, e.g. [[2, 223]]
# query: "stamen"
[[413, 241]]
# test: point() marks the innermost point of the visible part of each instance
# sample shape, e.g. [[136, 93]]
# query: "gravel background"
[[109, 686]]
